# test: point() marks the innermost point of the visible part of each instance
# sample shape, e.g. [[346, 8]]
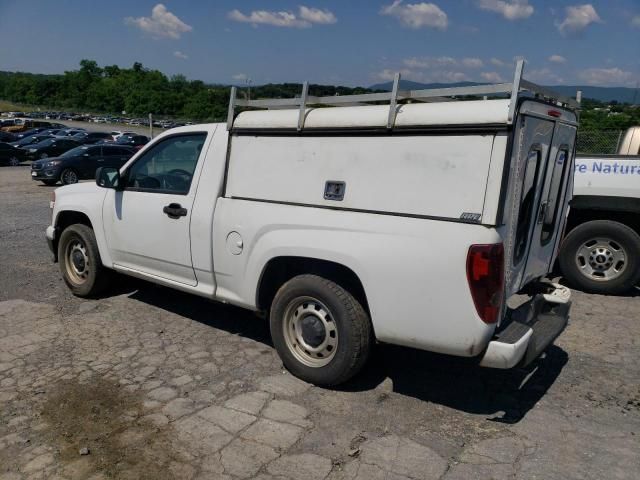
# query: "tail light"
[[485, 274]]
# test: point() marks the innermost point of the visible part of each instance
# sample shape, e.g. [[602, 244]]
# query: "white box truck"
[[412, 222], [601, 252]]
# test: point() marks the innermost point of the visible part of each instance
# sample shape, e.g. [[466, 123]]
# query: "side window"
[[554, 200], [167, 167], [527, 198]]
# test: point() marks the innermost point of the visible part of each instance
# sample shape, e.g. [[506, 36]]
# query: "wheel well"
[[579, 216], [65, 219], [69, 217], [282, 269]]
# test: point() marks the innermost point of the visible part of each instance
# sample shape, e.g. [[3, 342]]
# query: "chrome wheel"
[[69, 176], [601, 259], [77, 262], [14, 162], [310, 331]]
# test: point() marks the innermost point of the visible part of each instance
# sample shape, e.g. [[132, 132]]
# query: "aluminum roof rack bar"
[[303, 105], [510, 90], [391, 120], [515, 90], [232, 107]]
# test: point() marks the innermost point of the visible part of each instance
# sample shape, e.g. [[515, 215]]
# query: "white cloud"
[[179, 54], [417, 15], [607, 76], [388, 74], [509, 9], [438, 76], [491, 77], [472, 63], [543, 76], [557, 59], [315, 15], [161, 24], [496, 62], [635, 21], [306, 17], [241, 77], [578, 17]]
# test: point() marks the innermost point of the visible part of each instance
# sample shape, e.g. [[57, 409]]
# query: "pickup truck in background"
[[411, 224], [601, 250]]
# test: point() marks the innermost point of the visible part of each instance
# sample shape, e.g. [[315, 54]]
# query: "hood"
[[79, 188], [45, 160]]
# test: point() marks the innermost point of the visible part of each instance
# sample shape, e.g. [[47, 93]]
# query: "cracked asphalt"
[[151, 383]]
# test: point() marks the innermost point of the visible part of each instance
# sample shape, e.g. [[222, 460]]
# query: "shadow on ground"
[[502, 395]]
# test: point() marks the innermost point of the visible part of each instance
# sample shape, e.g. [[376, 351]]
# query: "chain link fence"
[[599, 141]]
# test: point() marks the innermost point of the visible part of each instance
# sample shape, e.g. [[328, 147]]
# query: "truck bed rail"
[[513, 89]]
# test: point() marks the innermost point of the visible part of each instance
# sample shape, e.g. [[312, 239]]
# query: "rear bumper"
[[529, 329]]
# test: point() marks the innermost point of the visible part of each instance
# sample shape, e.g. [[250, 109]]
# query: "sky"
[[337, 42]]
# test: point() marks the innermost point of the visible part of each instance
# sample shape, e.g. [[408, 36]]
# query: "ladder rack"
[[304, 101]]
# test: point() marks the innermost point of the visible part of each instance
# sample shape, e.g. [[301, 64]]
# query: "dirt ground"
[[151, 383]]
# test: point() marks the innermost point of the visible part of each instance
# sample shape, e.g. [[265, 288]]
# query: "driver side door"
[[147, 224]]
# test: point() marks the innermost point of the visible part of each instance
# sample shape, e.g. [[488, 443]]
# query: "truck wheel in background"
[[80, 262], [601, 256], [321, 332]]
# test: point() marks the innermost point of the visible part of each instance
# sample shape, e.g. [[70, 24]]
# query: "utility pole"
[[150, 125], [248, 82]]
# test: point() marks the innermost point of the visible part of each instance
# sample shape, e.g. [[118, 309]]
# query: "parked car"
[[91, 137], [116, 134], [79, 163], [10, 155], [135, 141], [30, 140], [51, 147], [7, 137], [416, 230], [22, 124], [70, 132], [601, 251], [30, 132]]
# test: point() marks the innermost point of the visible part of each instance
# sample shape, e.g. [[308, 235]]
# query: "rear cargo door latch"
[[334, 190]]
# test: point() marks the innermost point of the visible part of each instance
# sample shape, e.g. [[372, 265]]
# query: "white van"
[[407, 223]]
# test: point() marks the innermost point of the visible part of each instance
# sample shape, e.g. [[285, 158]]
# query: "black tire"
[[623, 236], [69, 176], [81, 239], [346, 314], [49, 183]]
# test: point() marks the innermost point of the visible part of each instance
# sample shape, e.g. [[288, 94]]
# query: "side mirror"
[[108, 177]]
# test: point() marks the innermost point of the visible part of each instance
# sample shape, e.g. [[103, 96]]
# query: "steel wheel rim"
[[70, 176], [305, 315], [77, 262], [14, 162], [601, 259]]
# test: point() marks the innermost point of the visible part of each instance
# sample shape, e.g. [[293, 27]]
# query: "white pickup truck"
[[413, 224], [601, 252]]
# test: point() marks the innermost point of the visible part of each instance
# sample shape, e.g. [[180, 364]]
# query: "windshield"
[[75, 152], [44, 143]]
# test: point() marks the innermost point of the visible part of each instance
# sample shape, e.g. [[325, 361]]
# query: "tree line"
[[138, 91]]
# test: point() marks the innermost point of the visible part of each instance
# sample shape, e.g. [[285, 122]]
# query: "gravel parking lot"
[[151, 383]]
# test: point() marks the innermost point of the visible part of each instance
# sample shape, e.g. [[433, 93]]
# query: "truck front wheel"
[[80, 262], [601, 256], [321, 332]]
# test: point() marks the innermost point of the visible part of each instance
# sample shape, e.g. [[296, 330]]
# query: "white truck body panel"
[[607, 176], [402, 174]]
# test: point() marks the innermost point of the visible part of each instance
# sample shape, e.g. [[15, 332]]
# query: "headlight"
[[53, 163], [33, 150]]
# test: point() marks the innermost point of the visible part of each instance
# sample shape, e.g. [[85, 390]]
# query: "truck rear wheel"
[[80, 262], [321, 332], [601, 256]]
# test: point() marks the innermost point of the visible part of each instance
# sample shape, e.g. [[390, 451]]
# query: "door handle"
[[101, 159], [175, 210]]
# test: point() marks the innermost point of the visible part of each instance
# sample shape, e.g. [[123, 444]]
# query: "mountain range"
[[602, 94]]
